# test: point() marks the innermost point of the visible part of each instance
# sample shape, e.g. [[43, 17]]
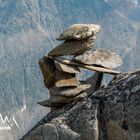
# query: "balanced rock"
[[64, 79], [57, 101], [47, 67], [67, 68], [72, 47], [50, 103], [69, 91], [60, 73], [79, 32], [89, 67], [100, 57]]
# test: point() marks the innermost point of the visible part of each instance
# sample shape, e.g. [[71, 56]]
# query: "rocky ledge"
[[111, 113]]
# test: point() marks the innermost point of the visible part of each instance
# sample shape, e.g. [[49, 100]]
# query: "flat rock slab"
[[69, 91], [79, 31], [67, 68], [64, 79], [54, 102], [110, 113], [58, 101], [72, 47], [100, 57], [47, 67]]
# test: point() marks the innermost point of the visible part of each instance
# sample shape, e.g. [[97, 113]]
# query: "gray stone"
[[64, 79], [69, 91], [48, 70], [58, 101], [50, 103], [95, 81], [89, 67], [79, 31], [110, 113], [72, 47], [67, 68], [49, 132], [100, 57]]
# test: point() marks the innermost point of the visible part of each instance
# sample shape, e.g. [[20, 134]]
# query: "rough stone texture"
[[79, 31], [28, 29], [69, 91], [89, 67], [67, 68], [64, 79], [47, 67], [72, 47], [111, 113], [101, 57]]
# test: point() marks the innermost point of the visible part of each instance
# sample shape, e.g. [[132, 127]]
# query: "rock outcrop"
[[110, 113]]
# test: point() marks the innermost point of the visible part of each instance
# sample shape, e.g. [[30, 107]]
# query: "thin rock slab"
[[64, 79], [67, 68], [69, 91], [89, 67], [50, 103], [72, 47], [58, 101], [100, 57], [47, 67], [79, 32]]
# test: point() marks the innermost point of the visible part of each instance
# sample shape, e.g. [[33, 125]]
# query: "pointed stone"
[[67, 68], [49, 103], [69, 91], [79, 31], [100, 57], [48, 70], [64, 79], [72, 47], [95, 81]]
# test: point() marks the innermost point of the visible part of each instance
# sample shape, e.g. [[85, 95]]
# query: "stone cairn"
[[61, 74]]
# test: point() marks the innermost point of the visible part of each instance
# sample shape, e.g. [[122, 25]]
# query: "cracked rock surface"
[[111, 113]]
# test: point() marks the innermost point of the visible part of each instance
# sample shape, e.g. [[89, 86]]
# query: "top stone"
[[79, 32]]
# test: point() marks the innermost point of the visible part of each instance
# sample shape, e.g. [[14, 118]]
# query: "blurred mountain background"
[[28, 29]]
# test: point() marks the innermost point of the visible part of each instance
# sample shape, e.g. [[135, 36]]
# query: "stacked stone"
[[60, 74]]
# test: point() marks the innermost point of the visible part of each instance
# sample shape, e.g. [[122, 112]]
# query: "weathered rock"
[[50, 103], [95, 81], [79, 31], [110, 113], [89, 67], [67, 68], [120, 107], [69, 91], [37, 134], [82, 120], [48, 70], [100, 57], [57, 101], [72, 47], [54, 131], [64, 79]]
